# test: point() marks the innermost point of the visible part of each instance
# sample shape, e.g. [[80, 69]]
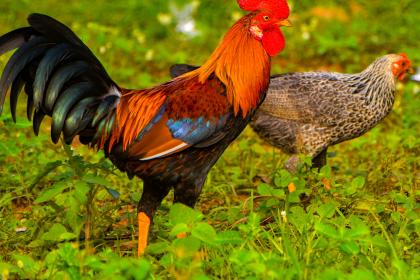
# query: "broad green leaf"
[[189, 245], [264, 189], [50, 193], [294, 197], [81, 190], [326, 230], [204, 232], [93, 179], [180, 228], [327, 210], [358, 182], [282, 178], [58, 233], [229, 237], [267, 190], [180, 213], [350, 247], [358, 228], [158, 248]]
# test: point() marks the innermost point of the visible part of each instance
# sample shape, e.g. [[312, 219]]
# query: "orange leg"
[[144, 225]]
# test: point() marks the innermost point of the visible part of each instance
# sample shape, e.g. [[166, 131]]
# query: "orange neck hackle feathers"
[[239, 62]]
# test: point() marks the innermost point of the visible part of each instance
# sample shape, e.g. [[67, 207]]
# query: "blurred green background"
[[138, 40], [367, 227]]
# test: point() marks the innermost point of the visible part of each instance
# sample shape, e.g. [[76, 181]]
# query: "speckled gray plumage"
[[307, 112]]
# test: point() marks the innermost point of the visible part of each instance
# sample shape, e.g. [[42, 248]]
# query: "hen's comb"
[[279, 8]]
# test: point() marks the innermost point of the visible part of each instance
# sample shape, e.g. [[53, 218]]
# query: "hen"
[[305, 113], [169, 135]]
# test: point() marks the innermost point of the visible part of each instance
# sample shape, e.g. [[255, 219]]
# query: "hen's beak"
[[285, 22]]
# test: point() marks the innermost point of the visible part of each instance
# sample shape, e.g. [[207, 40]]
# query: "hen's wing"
[[313, 97]]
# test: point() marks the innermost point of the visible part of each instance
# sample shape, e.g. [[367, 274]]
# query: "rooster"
[[169, 135], [305, 113]]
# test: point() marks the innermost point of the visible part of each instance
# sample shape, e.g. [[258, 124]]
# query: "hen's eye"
[[266, 18], [403, 64]]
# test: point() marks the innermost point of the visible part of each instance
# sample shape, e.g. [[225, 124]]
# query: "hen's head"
[[267, 17], [400, 65]]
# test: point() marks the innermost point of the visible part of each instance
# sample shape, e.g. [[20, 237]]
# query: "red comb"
[[279, 8]]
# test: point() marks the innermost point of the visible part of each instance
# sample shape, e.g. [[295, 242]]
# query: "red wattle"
[[273, 41]]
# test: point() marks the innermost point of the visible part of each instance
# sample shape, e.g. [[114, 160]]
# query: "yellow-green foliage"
[[246, 225]]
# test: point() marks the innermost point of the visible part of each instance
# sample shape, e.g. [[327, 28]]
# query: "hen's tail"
[[62, 78]]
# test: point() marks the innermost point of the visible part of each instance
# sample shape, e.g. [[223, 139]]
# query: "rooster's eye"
[[266, 18]]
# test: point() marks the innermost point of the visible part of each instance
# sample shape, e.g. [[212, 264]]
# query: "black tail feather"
[[38, 118], [17, 86], [49, 62], [76, 119], [59, 33], [62, 78], [53, 29], [30, 102], [15, 39], [104, 108], [64, 104], [20, 59]]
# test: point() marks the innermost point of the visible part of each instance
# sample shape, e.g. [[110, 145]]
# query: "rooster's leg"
[[153, 194], [187, 193]]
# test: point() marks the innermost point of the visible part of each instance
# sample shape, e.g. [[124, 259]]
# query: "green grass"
[[246, 224]]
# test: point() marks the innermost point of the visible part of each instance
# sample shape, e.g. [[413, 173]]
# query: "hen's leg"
[[320, 160], [153, 194]]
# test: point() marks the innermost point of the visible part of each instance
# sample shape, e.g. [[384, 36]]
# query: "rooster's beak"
[[285, 22]]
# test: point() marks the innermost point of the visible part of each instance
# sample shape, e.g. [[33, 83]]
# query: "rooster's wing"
[[191, 114]]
